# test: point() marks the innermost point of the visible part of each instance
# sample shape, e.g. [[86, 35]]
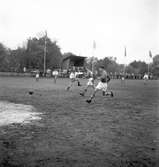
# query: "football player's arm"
[[108, 78]]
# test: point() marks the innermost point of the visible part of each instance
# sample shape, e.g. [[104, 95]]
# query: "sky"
[[75, 24]]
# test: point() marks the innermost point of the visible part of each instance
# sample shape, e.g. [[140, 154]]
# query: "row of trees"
[[135, 67], [31, 56]]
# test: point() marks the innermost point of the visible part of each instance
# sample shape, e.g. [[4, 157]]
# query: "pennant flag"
[[125, 53], [150, 54], [94, 44]]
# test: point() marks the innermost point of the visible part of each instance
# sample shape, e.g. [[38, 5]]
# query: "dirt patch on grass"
[[17, 113]]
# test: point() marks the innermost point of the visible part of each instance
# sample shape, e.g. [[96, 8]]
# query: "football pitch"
[[110, 132]]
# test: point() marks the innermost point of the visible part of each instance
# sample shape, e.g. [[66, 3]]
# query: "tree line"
[[136, 68], [31, 56]]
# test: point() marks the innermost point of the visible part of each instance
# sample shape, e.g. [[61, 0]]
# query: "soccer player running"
[[146, 78], [90, 83], [37, 76], [102, 85], [73, 79], [55, 74]]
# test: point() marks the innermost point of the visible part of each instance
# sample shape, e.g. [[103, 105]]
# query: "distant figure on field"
[[37, 76], [55, 74], [24, 69], [123, 80], [146, 78]]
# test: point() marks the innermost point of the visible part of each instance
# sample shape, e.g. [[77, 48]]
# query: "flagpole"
[[45, 54], [93, 53], [150, 55], [125, 54]]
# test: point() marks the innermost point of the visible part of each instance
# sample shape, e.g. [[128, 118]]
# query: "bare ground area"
[[111, 132]]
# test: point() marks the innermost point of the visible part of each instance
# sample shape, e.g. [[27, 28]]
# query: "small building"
[[70, 60]]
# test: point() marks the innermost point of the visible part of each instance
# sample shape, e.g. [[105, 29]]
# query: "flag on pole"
[[94, 44], [125, 52], [150, 54], [45, 53]]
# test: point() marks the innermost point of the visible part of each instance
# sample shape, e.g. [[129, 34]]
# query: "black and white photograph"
[[79, 83]]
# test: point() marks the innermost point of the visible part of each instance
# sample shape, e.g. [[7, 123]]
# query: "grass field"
[[110, 132]]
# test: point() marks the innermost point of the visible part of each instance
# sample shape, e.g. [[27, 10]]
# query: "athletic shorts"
[[90, 82], [72, 76], [102, 86]]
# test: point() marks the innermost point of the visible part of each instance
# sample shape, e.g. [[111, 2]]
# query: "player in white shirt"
[[90, 83], [73, 79], [55, 74], [123, 80], [37, 76], [102, 85], [146, 78]]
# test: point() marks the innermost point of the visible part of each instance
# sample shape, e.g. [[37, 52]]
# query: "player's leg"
[[84, 91], [145, 81], [55, 79], [70, 84], [98, 87], [106, 92], [89, 85], [92, 96], [37, 79], [78, 82]]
